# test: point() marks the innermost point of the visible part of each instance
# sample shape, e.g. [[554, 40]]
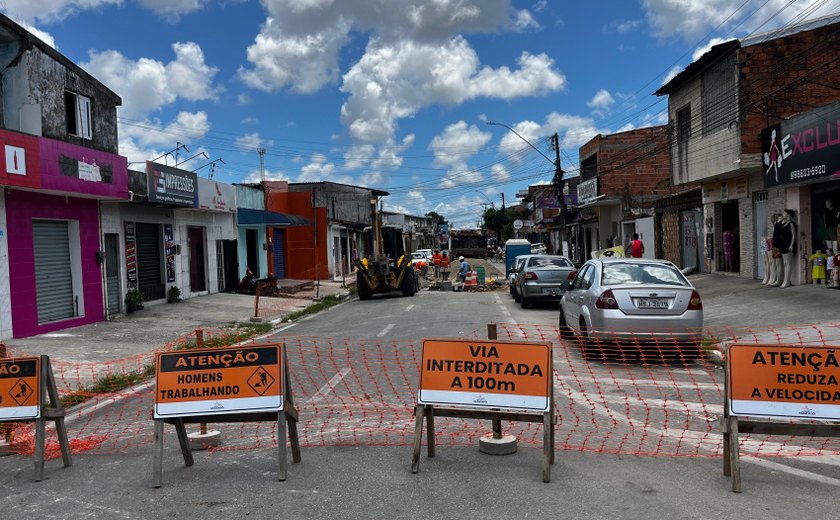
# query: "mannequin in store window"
[[776, 263], [787, 245], [831, 217], [767, 258]]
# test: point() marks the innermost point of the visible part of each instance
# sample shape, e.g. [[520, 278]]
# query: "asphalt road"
[[354, 367]]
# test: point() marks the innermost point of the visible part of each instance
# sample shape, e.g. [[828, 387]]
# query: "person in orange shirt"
[[444, 265], [436, 262]]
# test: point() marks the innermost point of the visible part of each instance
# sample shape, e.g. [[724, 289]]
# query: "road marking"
[[775, 466], [831, 460], [329, 386], [386, 329], [407, 309]]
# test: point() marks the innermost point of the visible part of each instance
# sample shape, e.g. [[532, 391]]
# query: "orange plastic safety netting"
[[629, 396]]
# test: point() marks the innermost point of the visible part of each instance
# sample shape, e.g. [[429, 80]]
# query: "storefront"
[[55, 254], [727, 238], [802, 169]]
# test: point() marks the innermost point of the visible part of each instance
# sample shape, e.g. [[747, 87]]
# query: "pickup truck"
[[542, 278]]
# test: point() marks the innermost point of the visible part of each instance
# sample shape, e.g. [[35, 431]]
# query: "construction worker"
[[444, 265], [436, 262], [465, 269]]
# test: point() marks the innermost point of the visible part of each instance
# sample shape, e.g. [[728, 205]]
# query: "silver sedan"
[[632, 301]]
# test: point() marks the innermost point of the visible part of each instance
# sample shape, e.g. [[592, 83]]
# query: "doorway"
[[729, 259], [252, 248], [198, 274], [112, 272], [762, 231]]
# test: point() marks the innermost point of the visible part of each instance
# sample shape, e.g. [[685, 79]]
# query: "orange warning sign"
[[784, 381], [20, 383], [219, 381], [486, 373]]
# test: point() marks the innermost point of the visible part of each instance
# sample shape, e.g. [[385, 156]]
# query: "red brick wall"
[[785, 77], [638, 159]]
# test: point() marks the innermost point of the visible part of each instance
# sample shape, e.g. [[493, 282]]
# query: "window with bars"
[[684, 123], [719, 98]]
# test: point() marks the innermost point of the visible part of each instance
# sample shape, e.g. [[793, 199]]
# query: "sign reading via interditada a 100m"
[[219, 381], [486, 374], [784, 381]]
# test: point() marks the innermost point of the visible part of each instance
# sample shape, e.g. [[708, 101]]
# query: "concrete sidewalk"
[[154, 326]]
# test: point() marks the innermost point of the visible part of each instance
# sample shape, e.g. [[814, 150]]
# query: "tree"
[[437, 220]]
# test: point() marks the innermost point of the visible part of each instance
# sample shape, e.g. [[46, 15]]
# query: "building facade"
[[722, 111], [60, 161]]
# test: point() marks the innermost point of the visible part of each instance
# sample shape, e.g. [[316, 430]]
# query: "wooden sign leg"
[[157, 464], [727, 461], [40, 440], [281, 446], [293, 438], [55, 403], [419, 414], [184, 441], [548, 446], [430, 431], [734, 454]]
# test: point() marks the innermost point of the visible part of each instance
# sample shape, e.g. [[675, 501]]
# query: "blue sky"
[[392, 94]]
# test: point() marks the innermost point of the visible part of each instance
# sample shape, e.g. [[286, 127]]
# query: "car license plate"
[[652, 303], [551, 290]]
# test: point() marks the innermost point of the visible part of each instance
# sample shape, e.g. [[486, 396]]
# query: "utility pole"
[[503, 202], [559, 184]]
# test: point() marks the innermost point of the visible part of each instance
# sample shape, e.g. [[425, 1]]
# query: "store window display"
[[818, 262]]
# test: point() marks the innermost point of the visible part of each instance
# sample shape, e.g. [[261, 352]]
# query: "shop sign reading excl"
[[219, 381], [486, 374], [802, 148], [20, 384], [171, 186], [784, 381]]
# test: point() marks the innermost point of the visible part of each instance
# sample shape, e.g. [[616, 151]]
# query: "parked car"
[[538, 249], [632, 299], [542, 277], [427, 252], [418, 257], [511, 277]]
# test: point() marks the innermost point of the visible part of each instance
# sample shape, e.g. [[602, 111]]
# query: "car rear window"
[[641, 274], [547, 261]]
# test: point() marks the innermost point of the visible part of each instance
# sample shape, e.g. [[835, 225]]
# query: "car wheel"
[[516, 296], [563, 327], [524, 302]]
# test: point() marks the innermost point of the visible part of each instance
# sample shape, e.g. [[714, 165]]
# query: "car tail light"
[[695, 303], [606, 301], [572, 275], [531, 276]]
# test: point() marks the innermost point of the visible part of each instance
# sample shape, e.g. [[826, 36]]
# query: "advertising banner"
[[216, 196], [131, 255], [171, 186], [803, 148]]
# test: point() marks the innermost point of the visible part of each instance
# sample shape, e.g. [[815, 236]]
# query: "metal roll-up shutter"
[[149, 268], [279, 254], [53, 275]]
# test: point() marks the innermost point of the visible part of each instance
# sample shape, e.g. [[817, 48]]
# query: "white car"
[[538, 249], [427, 253]]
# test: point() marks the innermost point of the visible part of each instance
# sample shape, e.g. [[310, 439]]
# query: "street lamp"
[[558, 174]]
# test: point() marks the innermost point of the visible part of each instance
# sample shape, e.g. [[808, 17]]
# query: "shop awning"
[[260, 217]]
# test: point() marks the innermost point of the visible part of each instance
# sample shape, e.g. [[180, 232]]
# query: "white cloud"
[[44, 36], [676, 69], [46, 11], [255, 176], [392, 82], [453, 148], [321, 169], [525, 21], [250, 142], [416, 57], [623, 26], [693, 18], [173, 8], [601, 102], [573, 130], [147, 85], [150, 139], [703, 49], [499, 173], [243, 99], [540, 6], [250, 121]]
